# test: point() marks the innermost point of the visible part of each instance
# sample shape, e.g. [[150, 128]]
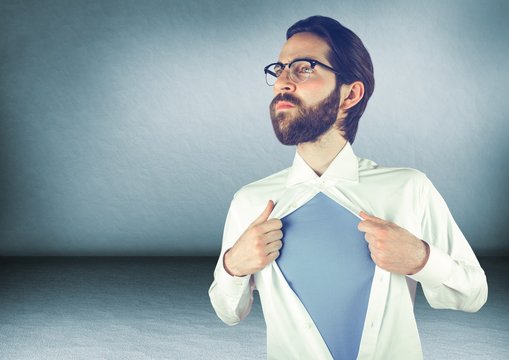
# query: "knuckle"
[[258, 251], [259, 240]]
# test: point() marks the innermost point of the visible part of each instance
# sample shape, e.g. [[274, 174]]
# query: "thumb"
[[366, 216], [265, 214]]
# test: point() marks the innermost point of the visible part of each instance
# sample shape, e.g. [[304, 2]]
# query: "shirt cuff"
[[232, 286], [437, 270]]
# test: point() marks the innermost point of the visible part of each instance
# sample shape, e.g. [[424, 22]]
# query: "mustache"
[[285, 97]]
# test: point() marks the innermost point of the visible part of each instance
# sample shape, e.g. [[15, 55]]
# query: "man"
[[335, 244]]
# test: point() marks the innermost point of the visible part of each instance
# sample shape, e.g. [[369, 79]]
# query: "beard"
[[309, 124]]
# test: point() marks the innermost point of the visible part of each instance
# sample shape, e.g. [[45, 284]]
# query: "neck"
[[319, 154]]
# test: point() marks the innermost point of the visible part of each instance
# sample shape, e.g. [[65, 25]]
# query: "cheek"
[[315, 92]]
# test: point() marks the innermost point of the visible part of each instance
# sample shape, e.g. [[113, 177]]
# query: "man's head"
[[331, 86]]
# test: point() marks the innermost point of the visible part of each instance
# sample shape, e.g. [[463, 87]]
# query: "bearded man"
[[335, 244]]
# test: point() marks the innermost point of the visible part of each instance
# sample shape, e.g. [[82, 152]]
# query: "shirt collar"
[[343, 167]]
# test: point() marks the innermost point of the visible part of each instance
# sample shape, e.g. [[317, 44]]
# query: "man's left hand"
[[393, 248]]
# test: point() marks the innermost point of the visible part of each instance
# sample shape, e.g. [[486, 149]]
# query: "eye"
[[277, 69], [306, 70], [303, 67]]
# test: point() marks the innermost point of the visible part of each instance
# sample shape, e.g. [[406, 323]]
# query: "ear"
[[351, 94]]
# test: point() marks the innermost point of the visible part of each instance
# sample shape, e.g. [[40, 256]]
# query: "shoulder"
[[397, 194], [259, 192], [371, 172], [401, 184]]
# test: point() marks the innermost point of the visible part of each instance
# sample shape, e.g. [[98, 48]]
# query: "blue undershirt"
[[325, 260]]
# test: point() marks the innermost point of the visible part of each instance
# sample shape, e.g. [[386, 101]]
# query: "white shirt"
[[451, 279]]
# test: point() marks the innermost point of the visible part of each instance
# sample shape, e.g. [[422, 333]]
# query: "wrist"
[[228, 267], [424, 258]]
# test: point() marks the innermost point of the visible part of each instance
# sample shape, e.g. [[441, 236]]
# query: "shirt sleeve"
[[452, 278], [231, 296]]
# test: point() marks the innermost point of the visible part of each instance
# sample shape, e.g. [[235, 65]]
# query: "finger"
[[362, 226], [274, 246], [273, 236], [370, 238], [373, 258], [270, 225], [368, 226], [272, 256], [366, 216], [265, 214]]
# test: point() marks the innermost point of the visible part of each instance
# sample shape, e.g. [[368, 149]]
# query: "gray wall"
[[128, 125]]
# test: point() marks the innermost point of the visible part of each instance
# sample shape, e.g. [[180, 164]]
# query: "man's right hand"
[[258, 246]]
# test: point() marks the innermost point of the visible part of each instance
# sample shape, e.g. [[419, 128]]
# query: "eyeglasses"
[[300, 70]]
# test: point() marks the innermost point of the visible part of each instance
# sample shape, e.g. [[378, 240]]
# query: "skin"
[[392, 248]]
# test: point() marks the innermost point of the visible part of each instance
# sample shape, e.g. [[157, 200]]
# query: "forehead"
[[304, 45]]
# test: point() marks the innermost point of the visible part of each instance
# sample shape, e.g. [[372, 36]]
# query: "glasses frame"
[[312, 63]]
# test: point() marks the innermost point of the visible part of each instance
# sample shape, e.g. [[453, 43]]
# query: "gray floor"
[[158, 308]]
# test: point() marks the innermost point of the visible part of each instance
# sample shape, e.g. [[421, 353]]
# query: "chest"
[[326, 262]]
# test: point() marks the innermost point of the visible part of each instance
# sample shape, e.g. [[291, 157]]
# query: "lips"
[[284, 105]]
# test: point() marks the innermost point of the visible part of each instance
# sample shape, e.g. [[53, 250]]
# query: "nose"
[[284, 83]]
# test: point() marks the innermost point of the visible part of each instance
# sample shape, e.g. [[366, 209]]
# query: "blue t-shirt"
[[326, 261]]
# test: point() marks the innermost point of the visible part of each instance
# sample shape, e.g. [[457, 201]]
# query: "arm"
[[231, 296], [231, 292], [443, 262], [452, 277]]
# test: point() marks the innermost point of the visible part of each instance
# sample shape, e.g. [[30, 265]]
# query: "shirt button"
[[372, 324]]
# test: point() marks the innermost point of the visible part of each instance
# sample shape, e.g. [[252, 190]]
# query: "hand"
[[393, 248], [258, 246]]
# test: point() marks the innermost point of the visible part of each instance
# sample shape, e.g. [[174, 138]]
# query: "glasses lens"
[[270, 79], [272, 72], [300, 71]]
